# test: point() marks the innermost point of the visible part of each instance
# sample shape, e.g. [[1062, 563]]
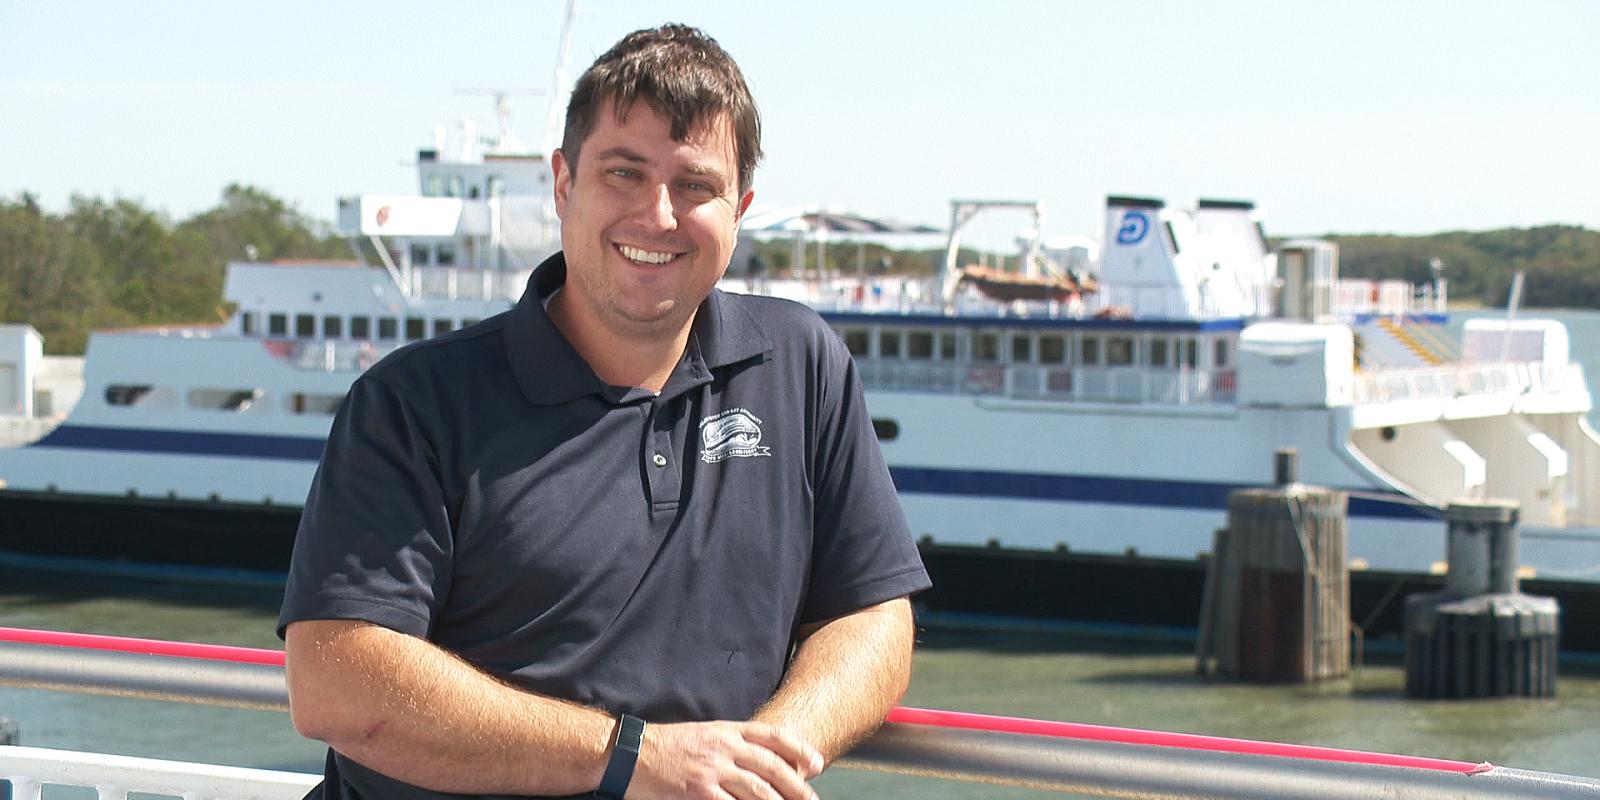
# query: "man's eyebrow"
[[623, 152]]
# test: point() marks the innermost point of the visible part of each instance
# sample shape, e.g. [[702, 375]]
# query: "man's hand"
[[718, 760]]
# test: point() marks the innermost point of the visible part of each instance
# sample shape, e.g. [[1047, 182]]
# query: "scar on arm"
[[376, 726]]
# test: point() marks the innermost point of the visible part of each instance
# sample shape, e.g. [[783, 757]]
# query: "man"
[[633, 537]]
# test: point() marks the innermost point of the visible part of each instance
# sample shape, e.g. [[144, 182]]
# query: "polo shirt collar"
[[550, 372]]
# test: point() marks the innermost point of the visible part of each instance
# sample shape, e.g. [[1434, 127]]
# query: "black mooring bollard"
[[1481, 637]]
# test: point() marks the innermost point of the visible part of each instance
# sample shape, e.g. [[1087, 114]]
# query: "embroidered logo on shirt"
[[735, 433]]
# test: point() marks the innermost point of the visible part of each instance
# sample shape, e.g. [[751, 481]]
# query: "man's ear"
[[744, 205], [561, 171]]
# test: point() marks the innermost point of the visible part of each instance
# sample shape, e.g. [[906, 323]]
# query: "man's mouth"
[[645, 256]]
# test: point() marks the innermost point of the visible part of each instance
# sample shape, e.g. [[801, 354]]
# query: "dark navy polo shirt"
[[637, 553]]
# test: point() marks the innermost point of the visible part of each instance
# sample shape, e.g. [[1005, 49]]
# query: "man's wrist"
[[624, 757]]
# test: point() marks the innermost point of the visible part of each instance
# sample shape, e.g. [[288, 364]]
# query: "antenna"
[[505, 139], [560, 88]]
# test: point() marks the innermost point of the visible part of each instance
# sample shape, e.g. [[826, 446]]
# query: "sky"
[[1334, 117]]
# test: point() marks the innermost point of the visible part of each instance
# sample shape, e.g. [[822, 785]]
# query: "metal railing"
[[31, 769], [1065, 757], [1460, 380], [1067, 384]]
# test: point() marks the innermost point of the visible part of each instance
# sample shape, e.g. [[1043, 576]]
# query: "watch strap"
[[624, 755]]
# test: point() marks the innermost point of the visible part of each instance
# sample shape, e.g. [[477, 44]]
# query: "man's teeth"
[[646, 256]]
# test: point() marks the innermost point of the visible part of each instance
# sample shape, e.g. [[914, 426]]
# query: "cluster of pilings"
[[1276, 606], [1481, 636]]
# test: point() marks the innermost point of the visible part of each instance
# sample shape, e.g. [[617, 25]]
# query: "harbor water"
[[1051, 674], [1043, 673]]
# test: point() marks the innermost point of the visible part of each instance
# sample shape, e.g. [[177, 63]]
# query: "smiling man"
[[633, 538]]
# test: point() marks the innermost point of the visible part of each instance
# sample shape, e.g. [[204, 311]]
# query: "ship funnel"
[[1139, 265]]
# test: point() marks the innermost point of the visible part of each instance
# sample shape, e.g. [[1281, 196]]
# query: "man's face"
[[647, 224]]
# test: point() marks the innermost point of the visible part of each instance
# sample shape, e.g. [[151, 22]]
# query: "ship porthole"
[[887, 429], [1388, 433]]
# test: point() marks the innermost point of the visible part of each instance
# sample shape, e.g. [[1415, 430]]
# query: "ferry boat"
[[1068, 430]]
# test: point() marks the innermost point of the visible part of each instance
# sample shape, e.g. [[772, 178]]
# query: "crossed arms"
[[417, 713]]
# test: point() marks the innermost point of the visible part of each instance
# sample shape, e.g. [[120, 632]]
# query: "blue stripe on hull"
[[1114, 491], [909, 480], [192, 443]]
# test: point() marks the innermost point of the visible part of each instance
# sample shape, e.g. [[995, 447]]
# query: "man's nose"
[[657, 210]]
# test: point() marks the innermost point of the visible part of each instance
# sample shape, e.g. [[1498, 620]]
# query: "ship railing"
[[1036, 754], [464, 283], [1466, 380], [920, 296], [328, 355], [1065, 384], [1359, 296]]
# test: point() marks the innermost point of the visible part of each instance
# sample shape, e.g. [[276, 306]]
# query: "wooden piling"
[[1281, 605]]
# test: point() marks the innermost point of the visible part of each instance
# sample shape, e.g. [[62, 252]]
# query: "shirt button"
[[659, 460]]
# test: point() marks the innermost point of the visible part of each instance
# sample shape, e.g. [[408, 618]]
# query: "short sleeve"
[[375, 537], [863, 551]]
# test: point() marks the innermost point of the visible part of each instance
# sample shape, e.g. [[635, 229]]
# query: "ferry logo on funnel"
[[1134, 226], [735, 433]]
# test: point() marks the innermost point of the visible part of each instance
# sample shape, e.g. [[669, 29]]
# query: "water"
[[1043, 675], [1048, 676]]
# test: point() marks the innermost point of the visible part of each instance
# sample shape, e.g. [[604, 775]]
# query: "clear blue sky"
[[1334, 116]]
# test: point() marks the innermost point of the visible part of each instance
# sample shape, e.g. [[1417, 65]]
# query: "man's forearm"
[[845, 677], [414, 712]]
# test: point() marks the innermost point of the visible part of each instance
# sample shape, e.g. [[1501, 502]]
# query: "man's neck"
[[644, 358]]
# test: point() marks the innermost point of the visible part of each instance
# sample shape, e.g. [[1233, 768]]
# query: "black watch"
[[624, 755]]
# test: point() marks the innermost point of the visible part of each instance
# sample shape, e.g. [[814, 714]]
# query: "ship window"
[[1052, 350], [140, 395], [247, 323], [1191, 351], [441, 326], [986, 346], [919, 345], [361, 327], [1158, 352], [332, 327], [1220, 353], [388, 328], [468, 322], [433, 186], [472, 192], [126, 394], [312, 403], [1172, 238], [856, 341], [496, 186], [446, 255], [1021, 349], [888, 344], [887, 429], [457, 186], [277, 324], [1119, 351], [224, 399], [416, 328], [421, 256], [305, 326], [947, 346], [1089, 351]]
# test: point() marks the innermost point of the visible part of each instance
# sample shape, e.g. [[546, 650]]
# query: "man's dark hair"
[[684, 75]]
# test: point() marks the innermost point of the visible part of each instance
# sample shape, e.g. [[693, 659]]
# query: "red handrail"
[[152, 647], [1190, 741], [914, 716]]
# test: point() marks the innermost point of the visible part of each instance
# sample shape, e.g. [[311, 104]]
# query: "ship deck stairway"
[[1406, 341]]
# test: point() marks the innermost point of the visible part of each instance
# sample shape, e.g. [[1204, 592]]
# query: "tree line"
[[1561, 263], [115, 263]]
